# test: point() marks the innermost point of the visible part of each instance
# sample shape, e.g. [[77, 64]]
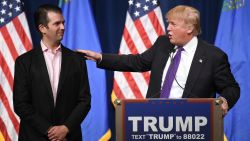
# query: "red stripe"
[[130, 43], [132, 48], [9, 42], [142, 33], [9, 110], [118, 91], [4, 131], [22, 34], [6, 70], [155, 22], [146, 76], [132, 84]]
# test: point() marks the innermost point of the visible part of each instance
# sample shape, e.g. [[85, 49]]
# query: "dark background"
[[110, 19]]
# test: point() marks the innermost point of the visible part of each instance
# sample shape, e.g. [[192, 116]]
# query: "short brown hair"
[[41, 14], [188, 14]]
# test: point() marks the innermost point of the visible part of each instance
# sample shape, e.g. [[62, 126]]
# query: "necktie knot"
[[180, 49]]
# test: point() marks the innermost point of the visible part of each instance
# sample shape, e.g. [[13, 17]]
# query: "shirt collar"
[[191, 46], [45, 48]]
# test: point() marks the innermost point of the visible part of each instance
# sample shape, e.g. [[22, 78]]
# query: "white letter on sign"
[[200, 121], [135, 122], [150, 122]]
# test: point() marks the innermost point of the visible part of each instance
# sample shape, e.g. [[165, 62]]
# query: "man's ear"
[[190, 29], [42, 28]]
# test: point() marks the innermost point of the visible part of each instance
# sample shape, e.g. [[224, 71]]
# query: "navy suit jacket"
[[33, 99], [206, 78]]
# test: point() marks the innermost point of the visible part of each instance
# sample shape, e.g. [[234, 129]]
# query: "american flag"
[[143, 25], [15, 39]]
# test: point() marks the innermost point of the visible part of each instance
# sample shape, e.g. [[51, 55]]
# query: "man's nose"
[[169, 27], [62, 26]]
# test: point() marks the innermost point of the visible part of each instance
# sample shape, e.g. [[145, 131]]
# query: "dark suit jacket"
[[205, 78], [33, 99]]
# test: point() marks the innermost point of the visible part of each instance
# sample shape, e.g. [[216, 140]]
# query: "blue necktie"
[[170, 76]]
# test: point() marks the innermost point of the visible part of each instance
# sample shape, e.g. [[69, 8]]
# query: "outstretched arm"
[[91, 55]]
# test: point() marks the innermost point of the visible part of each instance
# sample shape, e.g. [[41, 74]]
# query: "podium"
[[196, 119]]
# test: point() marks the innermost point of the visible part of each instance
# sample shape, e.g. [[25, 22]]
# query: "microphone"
[[156, 94], [171, 61], [172, 50]]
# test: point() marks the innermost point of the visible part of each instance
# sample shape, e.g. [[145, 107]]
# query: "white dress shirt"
[[183, 69]]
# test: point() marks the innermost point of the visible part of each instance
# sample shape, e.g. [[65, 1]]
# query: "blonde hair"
[[189, 15]]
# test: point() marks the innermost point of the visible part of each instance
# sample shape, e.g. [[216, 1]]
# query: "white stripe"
[[6, 55], [7, 122], [124, 48], [149, 28], [23, 20], [140, 82], [19, 47], [6, 88], [159, 17], [135, 36], [138, 77], [124, 86]]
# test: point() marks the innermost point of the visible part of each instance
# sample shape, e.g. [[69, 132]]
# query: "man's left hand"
[[224, 106], [58, 133]]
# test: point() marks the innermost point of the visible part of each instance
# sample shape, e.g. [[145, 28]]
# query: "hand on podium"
[[224, 106]]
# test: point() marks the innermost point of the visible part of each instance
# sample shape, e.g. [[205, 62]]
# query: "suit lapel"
[[64, 69], [198, 61], [40, 64], [162, 59]]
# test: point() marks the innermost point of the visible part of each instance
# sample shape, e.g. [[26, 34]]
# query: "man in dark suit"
[[203, 69], [51, 88]]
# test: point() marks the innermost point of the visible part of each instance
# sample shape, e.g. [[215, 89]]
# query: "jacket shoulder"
[[25, 57], [211, 47]]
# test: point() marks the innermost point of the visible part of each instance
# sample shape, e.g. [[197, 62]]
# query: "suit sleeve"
[[225, 81], [132, 63], [22, 99], [83, 103]]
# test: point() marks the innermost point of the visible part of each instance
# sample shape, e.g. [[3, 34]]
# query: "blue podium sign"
[[168, 119]]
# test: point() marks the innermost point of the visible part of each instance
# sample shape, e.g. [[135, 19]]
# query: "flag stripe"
[[9, 110], [9, 42], [155, 22], [140, 82], [158, 15], [21, 32], [124, 86], [24, 23], [132, 49], [148, 25], [19, 47], [132, 84], [6, 87], [7, 122], [131, 29], [118, 91], [130, 43], [6, 54], [146, 75], [143, 33], [3, 130], [6, 70]]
